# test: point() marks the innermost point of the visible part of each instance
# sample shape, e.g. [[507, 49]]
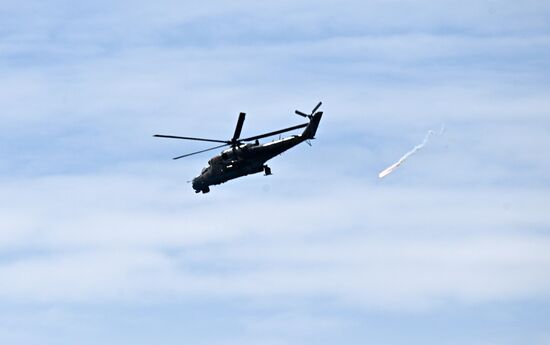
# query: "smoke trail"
[[394, 166]]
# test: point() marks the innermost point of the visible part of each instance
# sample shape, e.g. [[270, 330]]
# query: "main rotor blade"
[[190, 138], [315, 109], [239, 127], [194, 153], [274, 132]]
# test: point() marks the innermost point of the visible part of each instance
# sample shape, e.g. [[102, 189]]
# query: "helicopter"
[[247, 156]]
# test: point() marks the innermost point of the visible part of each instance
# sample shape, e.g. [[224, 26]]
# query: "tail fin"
[[311, 129]]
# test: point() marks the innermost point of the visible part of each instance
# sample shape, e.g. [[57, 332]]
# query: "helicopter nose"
[[197, 183]]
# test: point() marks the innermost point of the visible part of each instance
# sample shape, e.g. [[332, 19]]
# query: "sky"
[[103, 241]]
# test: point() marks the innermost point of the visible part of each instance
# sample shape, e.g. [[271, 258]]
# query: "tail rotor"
[[309, 116]]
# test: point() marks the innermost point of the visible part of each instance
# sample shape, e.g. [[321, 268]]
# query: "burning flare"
[[401, 160]]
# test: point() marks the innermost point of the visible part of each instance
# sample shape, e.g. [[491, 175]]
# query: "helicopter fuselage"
[[242, 160]]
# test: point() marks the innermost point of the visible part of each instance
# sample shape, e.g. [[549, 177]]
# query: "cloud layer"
[[97, 221]]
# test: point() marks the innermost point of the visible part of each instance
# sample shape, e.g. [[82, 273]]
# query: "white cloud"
[[119, 238], [92, 214]]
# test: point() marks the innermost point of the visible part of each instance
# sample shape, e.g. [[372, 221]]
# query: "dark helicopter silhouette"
[[246, 155]]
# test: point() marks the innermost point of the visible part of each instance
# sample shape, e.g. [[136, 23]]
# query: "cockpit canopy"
[[214, 160]]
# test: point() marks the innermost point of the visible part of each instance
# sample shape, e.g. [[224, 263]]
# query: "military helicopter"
[[247, 156]]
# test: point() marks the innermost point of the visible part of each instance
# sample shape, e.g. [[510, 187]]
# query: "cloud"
[[119, 238], [96, 220]]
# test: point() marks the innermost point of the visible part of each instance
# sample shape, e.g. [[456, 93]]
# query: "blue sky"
[[102, 241]]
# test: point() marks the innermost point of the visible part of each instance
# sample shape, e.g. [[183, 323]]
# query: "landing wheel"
[[267, 170], [206, 190]]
